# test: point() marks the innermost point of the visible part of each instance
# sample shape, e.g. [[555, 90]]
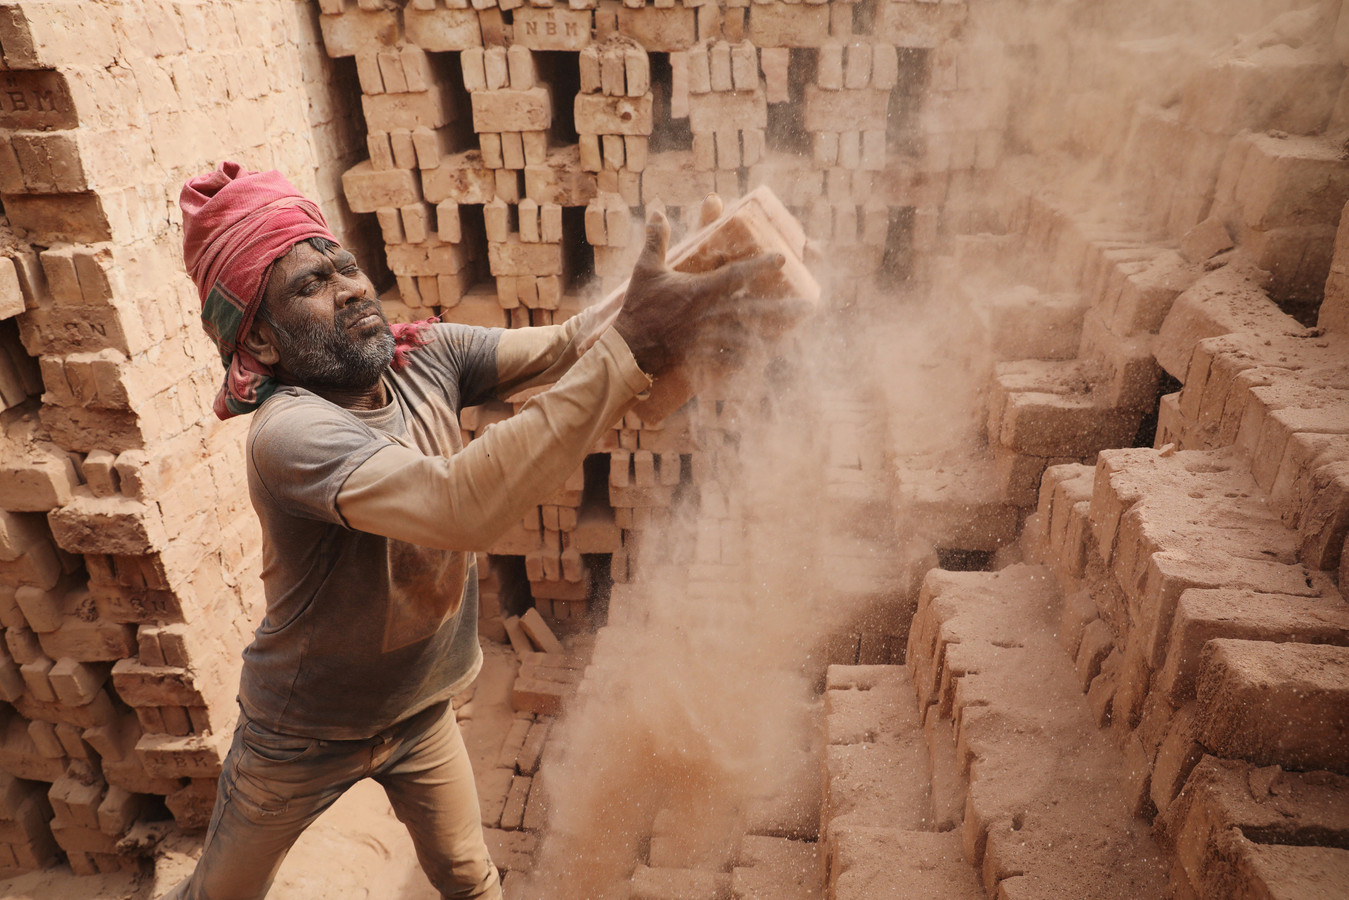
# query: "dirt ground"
[[357, 850]]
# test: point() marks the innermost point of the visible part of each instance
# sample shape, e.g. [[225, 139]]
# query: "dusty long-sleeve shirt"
[[370, 518]]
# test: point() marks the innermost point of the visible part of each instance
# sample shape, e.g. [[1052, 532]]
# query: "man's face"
[[328, 325]]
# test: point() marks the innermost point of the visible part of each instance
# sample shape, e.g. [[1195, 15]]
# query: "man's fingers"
[[657, 241], [733, 277], [761, 310], [711, 210]]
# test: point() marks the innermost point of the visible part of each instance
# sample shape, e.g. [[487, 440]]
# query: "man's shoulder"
[[293, 419], [292, 408], [450, 345]]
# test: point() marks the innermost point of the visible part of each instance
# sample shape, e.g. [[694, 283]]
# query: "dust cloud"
[[698, 719]]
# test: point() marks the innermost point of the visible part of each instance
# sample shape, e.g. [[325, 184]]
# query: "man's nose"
[[349, 290]]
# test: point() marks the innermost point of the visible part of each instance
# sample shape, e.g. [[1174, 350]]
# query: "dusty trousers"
[[273, 786]]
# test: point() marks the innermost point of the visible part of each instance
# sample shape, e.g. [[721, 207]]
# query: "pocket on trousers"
[[278, 748]]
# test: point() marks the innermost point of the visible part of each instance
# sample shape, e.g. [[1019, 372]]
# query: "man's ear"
[[260, 342]]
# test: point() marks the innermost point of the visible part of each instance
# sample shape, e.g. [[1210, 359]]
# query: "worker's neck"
[[374, 397]]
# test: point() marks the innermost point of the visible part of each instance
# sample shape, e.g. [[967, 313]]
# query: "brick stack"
[[1196, 581], [128, 555], [1199, 578], [513, 146]]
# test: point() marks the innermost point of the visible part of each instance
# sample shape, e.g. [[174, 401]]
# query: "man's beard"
[[316, 354]]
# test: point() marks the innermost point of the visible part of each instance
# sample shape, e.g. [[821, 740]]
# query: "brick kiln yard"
[[1018, 573]]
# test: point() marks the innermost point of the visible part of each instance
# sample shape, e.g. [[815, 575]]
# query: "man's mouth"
[[365, 319]]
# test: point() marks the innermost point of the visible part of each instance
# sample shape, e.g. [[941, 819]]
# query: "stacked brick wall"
[[1201, 564], [514, 149], [128, 555], [1203, 576]]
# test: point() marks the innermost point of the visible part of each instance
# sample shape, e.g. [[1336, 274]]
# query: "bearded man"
[[372, 508]]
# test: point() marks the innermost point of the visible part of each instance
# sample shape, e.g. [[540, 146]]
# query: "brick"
[[1202, 615], [552, 28], [88, 638], [42, 479], [367, 190], [512, 851], [429, 259], [652, 883], [1205, 240], [117, 525], [96, 712], [788, 25], [19, 533], [512, 110], [52, 218], [838, 111], [192, 756], [539, 632], [141, 685], [876, 861], [659, 30], [36, 676], [192, 804], [1284, 703], [11, 680], [513, 742], [358, 30], [20, 757], [514, 257], [44, 738], [45, 609], [77, 683], [75, 797], [1046, 424], [404, 112], [513, 812], [599, 114], [50, 163], [1290, 181], [545, 698], [527, 761], [440, 30], [1223, 797], [119, 810], [460, 178], [727, 112]]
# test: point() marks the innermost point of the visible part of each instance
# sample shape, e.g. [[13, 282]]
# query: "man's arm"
[[467, 500], [534, 357]]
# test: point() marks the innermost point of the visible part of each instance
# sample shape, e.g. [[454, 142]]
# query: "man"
[[371, 510]]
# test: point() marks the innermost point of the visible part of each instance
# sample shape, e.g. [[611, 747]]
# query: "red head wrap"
[[236, 223]]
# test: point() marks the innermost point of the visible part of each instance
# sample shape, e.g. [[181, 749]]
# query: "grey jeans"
[[273, 786]]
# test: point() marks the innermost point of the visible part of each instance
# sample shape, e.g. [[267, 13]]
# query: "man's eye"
[[312, 286], [351, 271]]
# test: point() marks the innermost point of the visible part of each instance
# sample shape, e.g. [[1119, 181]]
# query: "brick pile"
[[1198, 578], [512, 148], [128, 555], [1194, 585], [767, 842]]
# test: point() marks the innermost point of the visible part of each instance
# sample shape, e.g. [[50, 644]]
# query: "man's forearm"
[[535, 357]]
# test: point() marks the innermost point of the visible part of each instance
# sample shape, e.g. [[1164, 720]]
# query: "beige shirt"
[[370, 518]]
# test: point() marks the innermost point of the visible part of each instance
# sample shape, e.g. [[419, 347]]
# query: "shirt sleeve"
[[467, 500], [535, 357]]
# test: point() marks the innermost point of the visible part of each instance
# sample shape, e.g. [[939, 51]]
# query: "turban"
[[236, 223]]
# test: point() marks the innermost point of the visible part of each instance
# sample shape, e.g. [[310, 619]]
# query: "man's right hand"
[[666, 312]]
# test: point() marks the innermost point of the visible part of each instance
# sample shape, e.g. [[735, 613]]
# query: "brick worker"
[[372, 508]]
